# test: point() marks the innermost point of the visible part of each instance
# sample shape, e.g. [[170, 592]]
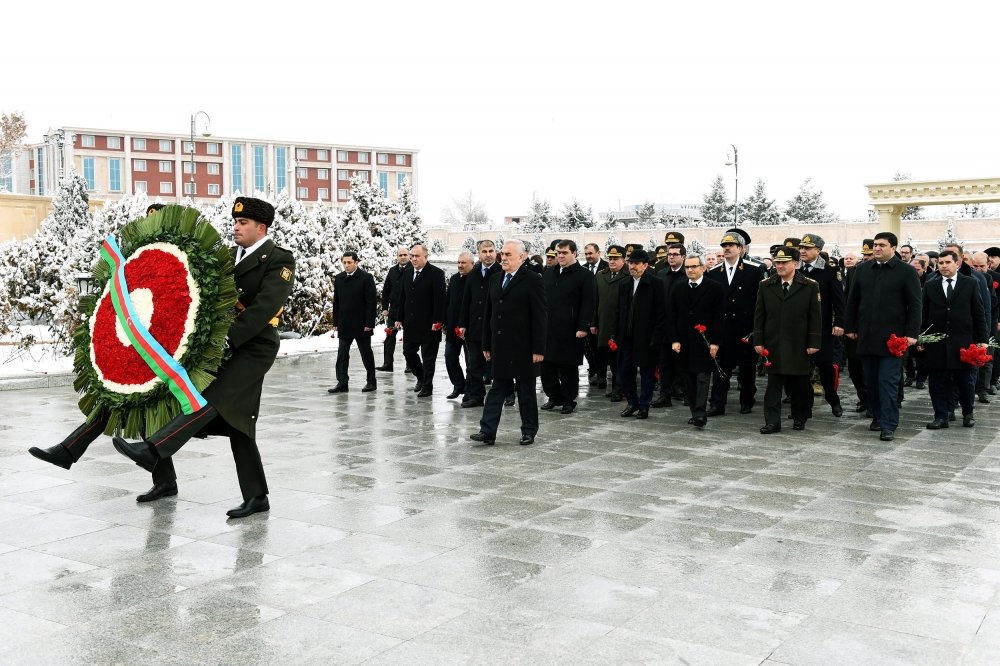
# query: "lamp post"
[[208, 121], [735, 163]]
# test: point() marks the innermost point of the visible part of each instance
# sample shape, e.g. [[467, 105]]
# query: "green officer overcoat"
[[607, 302], [786, 324]]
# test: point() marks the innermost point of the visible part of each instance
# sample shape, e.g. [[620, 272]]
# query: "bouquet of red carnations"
[[897, 345], [975, 355]]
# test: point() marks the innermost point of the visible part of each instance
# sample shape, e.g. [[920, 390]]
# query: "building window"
[[114, 142], [301, 154], [166, 166], [40, 165], [213, 168], [342, 194], [342, 174], [382, 158], [166, 145], [341, 155], [212, 148], [166, 187], [363, 158], [236, 163], [7, 172], [190, 188], [138, 144], [323, 174], [88, 172], [324, 194], [87, 140], [280, 167], [323, 155], [400, 180], [258, 168], [138, 165], [303, 193], [400, 160], [188, 167], [213, 188], [115, 174], [383, 183], [363, 175], [302, 172], [140, 186]]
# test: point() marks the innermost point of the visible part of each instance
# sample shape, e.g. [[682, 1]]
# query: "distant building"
[[675, 214]]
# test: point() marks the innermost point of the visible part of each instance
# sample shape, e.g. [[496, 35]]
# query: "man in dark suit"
[[952, 305], [453, 344], [265, 275], [855, 367], [354, 305], [592, 264], [570, 294], [514, 340], [831, 291], [884, 299], [739, 280], [966, 268], [421, 313], [471, 322], [981, 263], [391, 292], [640, 324], [671, 381], [698, 302], [603, 322], [788, 324]]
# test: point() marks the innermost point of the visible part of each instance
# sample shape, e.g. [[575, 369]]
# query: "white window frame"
[[191, 189], [400, 159], [301, 172], [343, 194], [88, 141], [166, 187], [214, 168], [139, 144], [323, 174], [302, 192], [301, 153], [341, 155], [343, 175], [189, 167], [382, 158], [120, 178], [118, 142], [166, 145], [212, 148], [140, 186], [213, 189], [322, 155], [138, 165], [324, 194], [188, 147], [364, 156], [165, 166]]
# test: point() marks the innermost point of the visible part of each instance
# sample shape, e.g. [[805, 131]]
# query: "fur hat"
[[253, 209]]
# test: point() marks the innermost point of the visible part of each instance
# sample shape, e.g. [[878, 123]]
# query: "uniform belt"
[[275, 320]]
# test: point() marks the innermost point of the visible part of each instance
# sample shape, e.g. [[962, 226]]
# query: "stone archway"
[[892, 199]]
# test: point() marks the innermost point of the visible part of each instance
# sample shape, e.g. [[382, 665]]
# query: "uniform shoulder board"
[[717, 267], [752, 262]]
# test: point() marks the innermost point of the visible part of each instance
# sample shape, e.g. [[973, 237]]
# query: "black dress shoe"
[[919, 385], [549, 404], [568, 407], [483, 437], [887, 435], [418, 387], [712, 411], [663, 401], [691, 420], [643, 413], [868, 414], [770, 428], [937, 424], [617, 397], [454, 394], [407, 370], [787, 400], [487, 382], [250, 507], [908, 381], [968, 422], [592, 380], [509, 400], [951, 416], [384, 368], [991, 390], [475, 402], [526, 440], [798, 425], [861, 407], [369, 387], [168, 489], [140, 453], [339, 388], [746, 409], [426, 392], [630, 410], [57, 455], [700, 422], [838, 410], [982, 397], [874, 425]]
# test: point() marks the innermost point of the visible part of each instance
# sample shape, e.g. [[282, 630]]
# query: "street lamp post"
[[735, 163], [208, 121]]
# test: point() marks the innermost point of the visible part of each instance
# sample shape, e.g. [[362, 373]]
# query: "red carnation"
[[612, 345], [974, 355], [897, 346], [389, 330], [765, 352], [701, 328], [437, 326], [996, 284], [458, 331]]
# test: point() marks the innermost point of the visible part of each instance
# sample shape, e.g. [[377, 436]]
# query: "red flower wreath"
[[897, 346], [976, 356]]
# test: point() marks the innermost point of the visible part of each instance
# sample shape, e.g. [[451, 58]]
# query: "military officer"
[[831, 290], [607, 283]]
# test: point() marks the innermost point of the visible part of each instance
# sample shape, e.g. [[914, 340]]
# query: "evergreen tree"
[[911, 212], [540, 218], [407, 228], [696, 248], [437, 247], [758, 209], [948, 238], [537, 244], [575, 216], [612, 239], [646, 214], [469, 245], [808, 206], [716, 210]]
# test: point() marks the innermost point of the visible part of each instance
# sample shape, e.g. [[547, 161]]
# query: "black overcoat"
[[515, 322], [421, 303], [457, 285], [832, 302], [474, 301], [354, 304], [703, 305], [884, 299], [390, 288], [787, 324], [570, 294], [962, 318], [741, 299], [642, 317]]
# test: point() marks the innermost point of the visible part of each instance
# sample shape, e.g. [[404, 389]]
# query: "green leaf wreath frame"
[[211, 267]]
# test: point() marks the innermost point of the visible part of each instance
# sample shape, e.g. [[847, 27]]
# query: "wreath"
[[180, 286]]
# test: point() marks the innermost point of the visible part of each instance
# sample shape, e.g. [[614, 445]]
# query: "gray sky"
[[606, 102]]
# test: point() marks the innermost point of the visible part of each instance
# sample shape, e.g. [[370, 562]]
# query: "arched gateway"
[[891, 199]]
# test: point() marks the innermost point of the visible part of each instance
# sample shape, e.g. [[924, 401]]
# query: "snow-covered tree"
[[469, 245], [407, 228], [696, 248], [576, 216], [540, 218], [716, 209], [466, 213], [948, 238], [807, 206], [646, 213], [612, 239], [437, 247], [651, 244], [537, 244], [12, 131], [758, 209]]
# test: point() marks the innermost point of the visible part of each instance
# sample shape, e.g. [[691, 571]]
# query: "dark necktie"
[[948, 290], [484, 271], [506, 281], [784, 285], [694, 285], [416, 274], [240, 254]]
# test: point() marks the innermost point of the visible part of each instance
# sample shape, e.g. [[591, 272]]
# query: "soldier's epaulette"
[[752, 262], [604, 270], [808, 280], [717, 267]]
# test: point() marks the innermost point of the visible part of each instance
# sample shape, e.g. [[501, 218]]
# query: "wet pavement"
[[393, 540]]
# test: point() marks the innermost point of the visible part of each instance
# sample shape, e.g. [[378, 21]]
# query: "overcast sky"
[[607, 102]]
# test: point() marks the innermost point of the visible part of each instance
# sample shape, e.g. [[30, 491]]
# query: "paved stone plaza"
[[393, 540]]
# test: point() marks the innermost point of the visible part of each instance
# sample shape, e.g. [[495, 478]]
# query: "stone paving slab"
[[392, 539]]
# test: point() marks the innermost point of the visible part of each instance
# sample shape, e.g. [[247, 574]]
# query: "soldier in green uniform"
[[265, 275], [608, 280]]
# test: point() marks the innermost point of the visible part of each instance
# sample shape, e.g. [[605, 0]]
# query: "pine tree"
[[808, 206], [646, 214], [408, 227], [696, 248], [758, 209], [469, 245], [612, 239], [540, 218], [537, 244], [716, 210], [575, 216], [948, 238]]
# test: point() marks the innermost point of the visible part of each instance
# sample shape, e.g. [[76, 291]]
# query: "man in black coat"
[[671, 381], [391, 292], [570, 292], [884, 299], [640, 324], [453, 344], [831, 291], [471, 322], [514, 340], [592, 263], [354, 305], [697, 302], [739, 280], [420, 313], [952, 305]]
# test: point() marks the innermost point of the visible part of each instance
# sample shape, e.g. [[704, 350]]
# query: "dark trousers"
[[170, 438], [799, 389], [590, 353], [421, 358], [389, 349], [856, 369], [527, 404], [626, 373], [452, 352], [984, 375], [944, 383], [747, 363], [606, 358], [883, 374], [81, 438], [827, 377], [696, 388], [475, 370], [344, 357], [560, 381]]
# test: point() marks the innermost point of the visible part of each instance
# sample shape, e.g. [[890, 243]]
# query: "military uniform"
[[607, 283], [831, 290]]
